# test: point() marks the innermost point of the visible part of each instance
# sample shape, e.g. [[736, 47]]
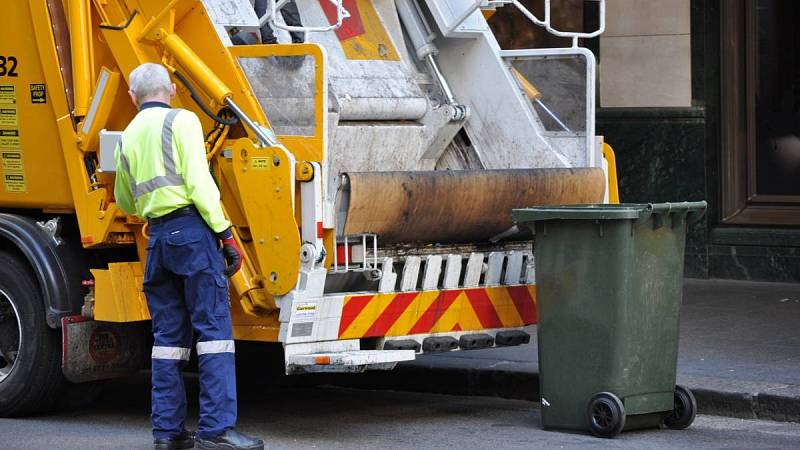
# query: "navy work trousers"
[[187, 293]]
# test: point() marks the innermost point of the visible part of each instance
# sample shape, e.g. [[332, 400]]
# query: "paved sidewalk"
[[739, 353]]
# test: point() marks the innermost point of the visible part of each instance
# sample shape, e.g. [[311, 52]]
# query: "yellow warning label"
[[12, 161], [9, 140], [260, 163], [7, 94], [15, 182], [10, 145], [8, 117]]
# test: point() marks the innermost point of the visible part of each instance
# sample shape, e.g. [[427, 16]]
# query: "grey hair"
[[150, 80]]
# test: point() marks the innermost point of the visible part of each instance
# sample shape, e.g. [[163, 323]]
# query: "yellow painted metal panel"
[[248, 327], [118, 298], [80, 42], [260, 333], [118, 294], [268, 206], [32, 171], [99, 120]]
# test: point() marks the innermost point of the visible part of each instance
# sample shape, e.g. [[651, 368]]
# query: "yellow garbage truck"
[[369, 175]]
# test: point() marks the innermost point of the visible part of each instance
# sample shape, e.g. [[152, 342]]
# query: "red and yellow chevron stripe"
[[405, 313]]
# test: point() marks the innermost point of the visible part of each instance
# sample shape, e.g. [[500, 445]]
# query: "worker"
[[163, 176], [291, 16]]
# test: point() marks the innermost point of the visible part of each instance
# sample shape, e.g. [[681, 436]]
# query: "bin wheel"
[[683, 411], [606, 415]]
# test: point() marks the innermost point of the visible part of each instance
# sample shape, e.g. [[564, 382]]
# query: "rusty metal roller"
[[454, 206]]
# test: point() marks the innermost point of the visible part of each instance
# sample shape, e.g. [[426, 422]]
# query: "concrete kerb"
[[715, 396], [745, 399]]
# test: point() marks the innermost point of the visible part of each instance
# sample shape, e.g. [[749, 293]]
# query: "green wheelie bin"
[[609, 284]]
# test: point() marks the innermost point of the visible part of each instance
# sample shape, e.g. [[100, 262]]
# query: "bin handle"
[[694, 211]]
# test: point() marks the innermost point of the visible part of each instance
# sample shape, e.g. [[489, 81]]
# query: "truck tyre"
[[30, 351]]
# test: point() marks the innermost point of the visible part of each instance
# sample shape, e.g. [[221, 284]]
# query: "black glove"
[[231, 251]]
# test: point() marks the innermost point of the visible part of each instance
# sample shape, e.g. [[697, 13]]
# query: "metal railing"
[[546, 23], [366, 261]]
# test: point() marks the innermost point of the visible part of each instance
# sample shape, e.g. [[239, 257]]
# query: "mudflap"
[[100, 350]]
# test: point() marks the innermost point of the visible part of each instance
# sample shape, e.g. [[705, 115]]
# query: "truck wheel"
[[30, 351], [684, 411], [606, 415]]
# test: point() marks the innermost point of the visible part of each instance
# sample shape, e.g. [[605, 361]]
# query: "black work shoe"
[[230, 440], [182, 441]]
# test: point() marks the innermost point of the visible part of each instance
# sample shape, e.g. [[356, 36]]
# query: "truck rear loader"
[[369, 175]]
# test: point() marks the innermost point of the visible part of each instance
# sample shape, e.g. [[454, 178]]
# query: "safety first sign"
[[11, 158]]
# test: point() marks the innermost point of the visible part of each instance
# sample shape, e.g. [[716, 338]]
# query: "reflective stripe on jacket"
[[161, 166]]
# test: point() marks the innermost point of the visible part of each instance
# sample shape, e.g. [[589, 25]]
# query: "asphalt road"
[[337, 418]]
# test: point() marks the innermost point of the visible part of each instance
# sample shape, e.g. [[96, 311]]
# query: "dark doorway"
[[760, 112], [777, 102]]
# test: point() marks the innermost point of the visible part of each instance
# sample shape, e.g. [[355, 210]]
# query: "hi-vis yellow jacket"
[[161, 166]]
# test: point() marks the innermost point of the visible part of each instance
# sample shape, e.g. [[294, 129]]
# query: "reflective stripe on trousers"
[[211, 347], [178, 353]]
